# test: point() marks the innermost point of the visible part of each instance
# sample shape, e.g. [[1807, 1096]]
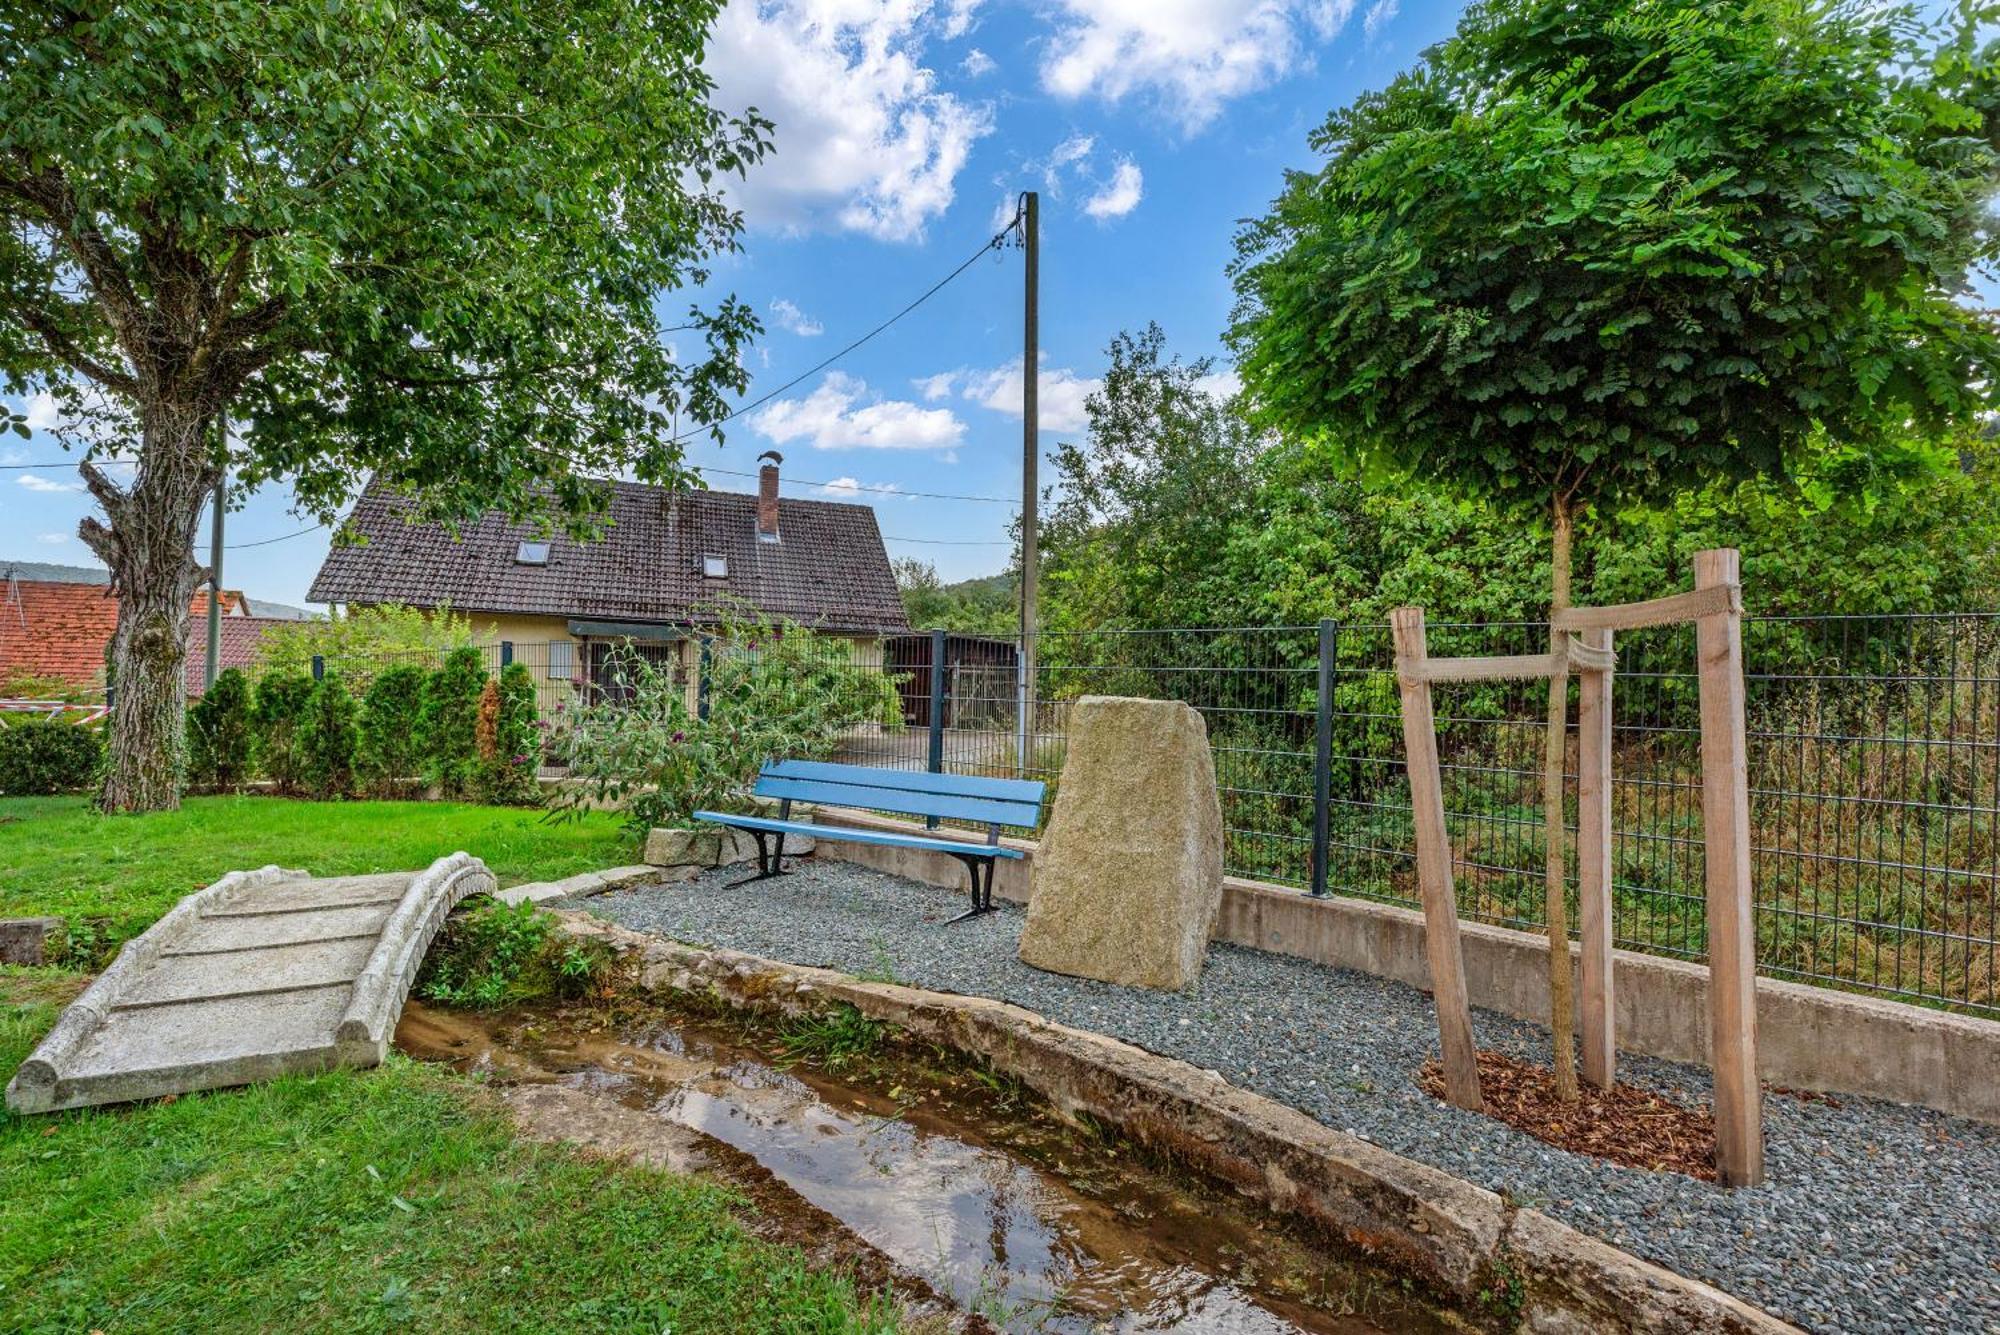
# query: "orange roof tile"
[[52, 629]]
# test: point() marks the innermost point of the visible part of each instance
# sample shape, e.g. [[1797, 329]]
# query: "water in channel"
[[979, 1192]]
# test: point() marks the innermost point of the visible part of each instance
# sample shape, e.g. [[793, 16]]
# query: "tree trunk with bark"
[[1562, 1000], [148, 547]]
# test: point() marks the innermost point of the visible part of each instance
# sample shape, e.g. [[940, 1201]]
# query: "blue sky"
[[904, 130]]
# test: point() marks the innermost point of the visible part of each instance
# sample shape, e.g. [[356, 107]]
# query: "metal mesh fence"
[[1874, 751]]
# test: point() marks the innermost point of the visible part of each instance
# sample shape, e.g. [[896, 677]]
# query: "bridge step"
[[264, 973]]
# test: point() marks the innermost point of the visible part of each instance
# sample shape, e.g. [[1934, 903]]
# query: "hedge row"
[[456, 729]]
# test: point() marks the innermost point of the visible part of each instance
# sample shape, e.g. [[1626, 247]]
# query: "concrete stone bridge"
[[264, 973]]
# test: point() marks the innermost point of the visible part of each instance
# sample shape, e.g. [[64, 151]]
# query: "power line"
[[266, 542], [993, 243], [953, 542]]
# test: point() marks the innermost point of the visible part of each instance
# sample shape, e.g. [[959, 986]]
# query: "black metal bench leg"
[[982, 887], [770, 862]]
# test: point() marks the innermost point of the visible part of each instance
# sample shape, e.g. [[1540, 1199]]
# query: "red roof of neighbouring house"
[[241, 636], [56, 630], [60, 629]]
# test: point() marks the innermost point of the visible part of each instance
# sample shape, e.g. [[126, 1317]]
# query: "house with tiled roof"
[[57, 622], [667, 561]]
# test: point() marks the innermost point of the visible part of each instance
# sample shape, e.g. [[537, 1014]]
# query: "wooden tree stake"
[[1461, 1067], [1732, 936], [1593, 865]]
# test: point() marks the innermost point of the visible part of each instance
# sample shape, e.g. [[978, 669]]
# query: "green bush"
[[277, 715], [509, 738], [47, 756], [448, 722], [330, 739], [494, 955], [391, 746], [774, 692], [220, 735]]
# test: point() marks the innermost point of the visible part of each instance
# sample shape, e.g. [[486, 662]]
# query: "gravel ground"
[[1877, 1217]]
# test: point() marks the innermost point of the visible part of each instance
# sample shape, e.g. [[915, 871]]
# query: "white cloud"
[[977, 64], [1221, 384], [1190, 56], [1068, 153], [849, 488], [52, 539], [42, 413], [1120, 195], [864, 137], [36, 482], [1378, 17], [935, 387], [959, 17], [841, 415], [1060, 393], [790, 317]]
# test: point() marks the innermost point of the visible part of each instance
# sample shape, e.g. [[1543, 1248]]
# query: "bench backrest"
[[905, 792]]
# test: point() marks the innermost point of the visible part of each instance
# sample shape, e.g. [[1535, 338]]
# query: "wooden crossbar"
[[1715, 600], [1514, 667]]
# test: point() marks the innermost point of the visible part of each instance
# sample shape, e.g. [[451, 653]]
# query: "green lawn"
[[354, 1201], [115, 875]]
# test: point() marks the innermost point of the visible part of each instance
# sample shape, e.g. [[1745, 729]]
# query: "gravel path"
[[1877, 1217]]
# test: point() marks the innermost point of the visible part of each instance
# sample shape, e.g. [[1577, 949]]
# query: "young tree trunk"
[[148, 546], [1562, 1001]]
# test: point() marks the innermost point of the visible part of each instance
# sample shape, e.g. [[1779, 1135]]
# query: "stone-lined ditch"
[[917, 1169]]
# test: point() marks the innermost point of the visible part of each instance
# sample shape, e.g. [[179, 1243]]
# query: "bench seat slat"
[[951, 806], [839, 832], [911, 780]]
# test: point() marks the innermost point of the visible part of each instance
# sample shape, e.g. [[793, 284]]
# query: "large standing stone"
[[1128, 878]]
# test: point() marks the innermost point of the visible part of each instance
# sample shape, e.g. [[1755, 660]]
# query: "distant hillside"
[[988, 605]]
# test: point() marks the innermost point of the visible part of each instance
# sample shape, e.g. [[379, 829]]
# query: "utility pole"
[[1031, 453], [215, 556]]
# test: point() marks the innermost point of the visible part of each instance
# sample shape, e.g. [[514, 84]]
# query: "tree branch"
[[103, 543], [49, 191], [62, 347], [104, 491]]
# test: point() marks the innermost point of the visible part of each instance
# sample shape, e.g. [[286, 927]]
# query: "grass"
[[360, 1201], [112, 876]]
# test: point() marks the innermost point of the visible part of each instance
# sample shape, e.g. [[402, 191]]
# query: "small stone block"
[[26, 940]]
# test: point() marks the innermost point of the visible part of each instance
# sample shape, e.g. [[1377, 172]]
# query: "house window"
[[715, 567], [531, 554], [562, 660]]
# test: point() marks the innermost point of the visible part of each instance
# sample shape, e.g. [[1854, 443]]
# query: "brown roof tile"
[[828, 570]]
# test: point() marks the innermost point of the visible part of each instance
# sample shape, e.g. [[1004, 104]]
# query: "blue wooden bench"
[[900, 792]]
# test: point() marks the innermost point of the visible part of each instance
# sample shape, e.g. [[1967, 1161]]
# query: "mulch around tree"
[[1623, 1125]]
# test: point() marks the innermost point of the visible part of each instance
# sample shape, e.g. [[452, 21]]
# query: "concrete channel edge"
[[1466, 1244]]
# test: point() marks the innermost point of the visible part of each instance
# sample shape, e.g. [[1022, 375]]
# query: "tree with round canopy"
[[412, 239], [1588, 252]]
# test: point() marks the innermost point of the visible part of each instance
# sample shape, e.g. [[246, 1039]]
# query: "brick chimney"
[[767, 496]]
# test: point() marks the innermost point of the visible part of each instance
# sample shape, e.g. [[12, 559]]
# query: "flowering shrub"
[[645, 744]]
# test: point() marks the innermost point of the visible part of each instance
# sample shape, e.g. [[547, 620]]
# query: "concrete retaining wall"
[[1808, 1037]]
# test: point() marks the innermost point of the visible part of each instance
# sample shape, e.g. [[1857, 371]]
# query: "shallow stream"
[[959, 1179]]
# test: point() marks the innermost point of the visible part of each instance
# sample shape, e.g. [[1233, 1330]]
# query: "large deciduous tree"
[[1588, 252], [413, 238]]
